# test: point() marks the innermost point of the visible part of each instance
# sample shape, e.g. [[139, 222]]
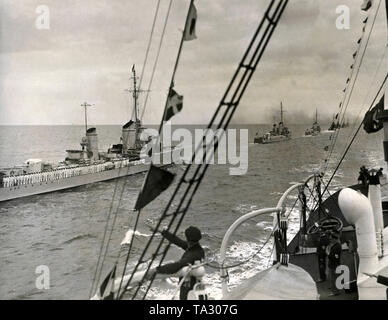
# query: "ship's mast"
[[316, 115], [85, 105], [135, 94], [281, 111]]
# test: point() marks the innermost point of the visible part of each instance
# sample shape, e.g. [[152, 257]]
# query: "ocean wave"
[[79, 237], [238, 252], [128, 237]]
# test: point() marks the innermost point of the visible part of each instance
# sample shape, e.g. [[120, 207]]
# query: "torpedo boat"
[[315, 129], [277, 134]]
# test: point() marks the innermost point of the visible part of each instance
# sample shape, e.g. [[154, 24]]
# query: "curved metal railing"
[[280, 208]]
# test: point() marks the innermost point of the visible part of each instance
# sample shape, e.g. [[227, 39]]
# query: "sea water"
[[63, 230]]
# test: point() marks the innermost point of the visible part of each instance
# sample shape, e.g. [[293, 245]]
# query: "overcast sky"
[[88, 52]]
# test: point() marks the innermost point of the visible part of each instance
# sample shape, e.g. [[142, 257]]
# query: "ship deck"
[[325, 293]]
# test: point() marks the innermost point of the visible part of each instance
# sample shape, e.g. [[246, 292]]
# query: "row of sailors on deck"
[[40, 177], [127, 162], [57, 174], [121, 163]]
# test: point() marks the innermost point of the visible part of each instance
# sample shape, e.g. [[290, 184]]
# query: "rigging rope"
[[156, 60], [226, 118], [265, 242], [218, 266], [343, 106], [369, 90], [100, 262], [362, 58], [354, 137], [112, 228], [148, 49], [149, 43], [98, 271], [241, 78], [129, 251]]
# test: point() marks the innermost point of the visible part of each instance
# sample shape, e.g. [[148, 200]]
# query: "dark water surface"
[[63, 230]]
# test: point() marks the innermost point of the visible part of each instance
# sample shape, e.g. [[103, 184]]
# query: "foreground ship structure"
[[80, 167], [357, 213]]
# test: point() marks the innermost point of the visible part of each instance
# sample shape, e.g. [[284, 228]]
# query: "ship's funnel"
[[129, 136], [92, 147]]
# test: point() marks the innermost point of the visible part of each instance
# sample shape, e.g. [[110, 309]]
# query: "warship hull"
[[16, 192], [312, 134], [30, 189], [272, 139]]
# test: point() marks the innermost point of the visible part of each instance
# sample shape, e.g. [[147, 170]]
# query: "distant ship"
[[337, 125], [315, 129], [277, 134], [80, 167], [334, 126], [345, 124]]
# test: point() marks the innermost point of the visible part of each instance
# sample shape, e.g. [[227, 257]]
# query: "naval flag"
[[174, 104], [371, 121], [189, 33], [105, 291], [366, 5], [156, 181]]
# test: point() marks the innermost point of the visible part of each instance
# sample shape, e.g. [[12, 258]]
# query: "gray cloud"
[[88, 52]]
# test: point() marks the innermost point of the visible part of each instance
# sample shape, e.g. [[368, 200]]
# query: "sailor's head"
[[193, 235], [335, 235]]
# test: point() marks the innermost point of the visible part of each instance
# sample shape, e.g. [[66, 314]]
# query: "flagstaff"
[[187, 35]]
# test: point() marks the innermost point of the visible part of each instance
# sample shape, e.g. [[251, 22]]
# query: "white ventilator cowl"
[[358, 211]]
